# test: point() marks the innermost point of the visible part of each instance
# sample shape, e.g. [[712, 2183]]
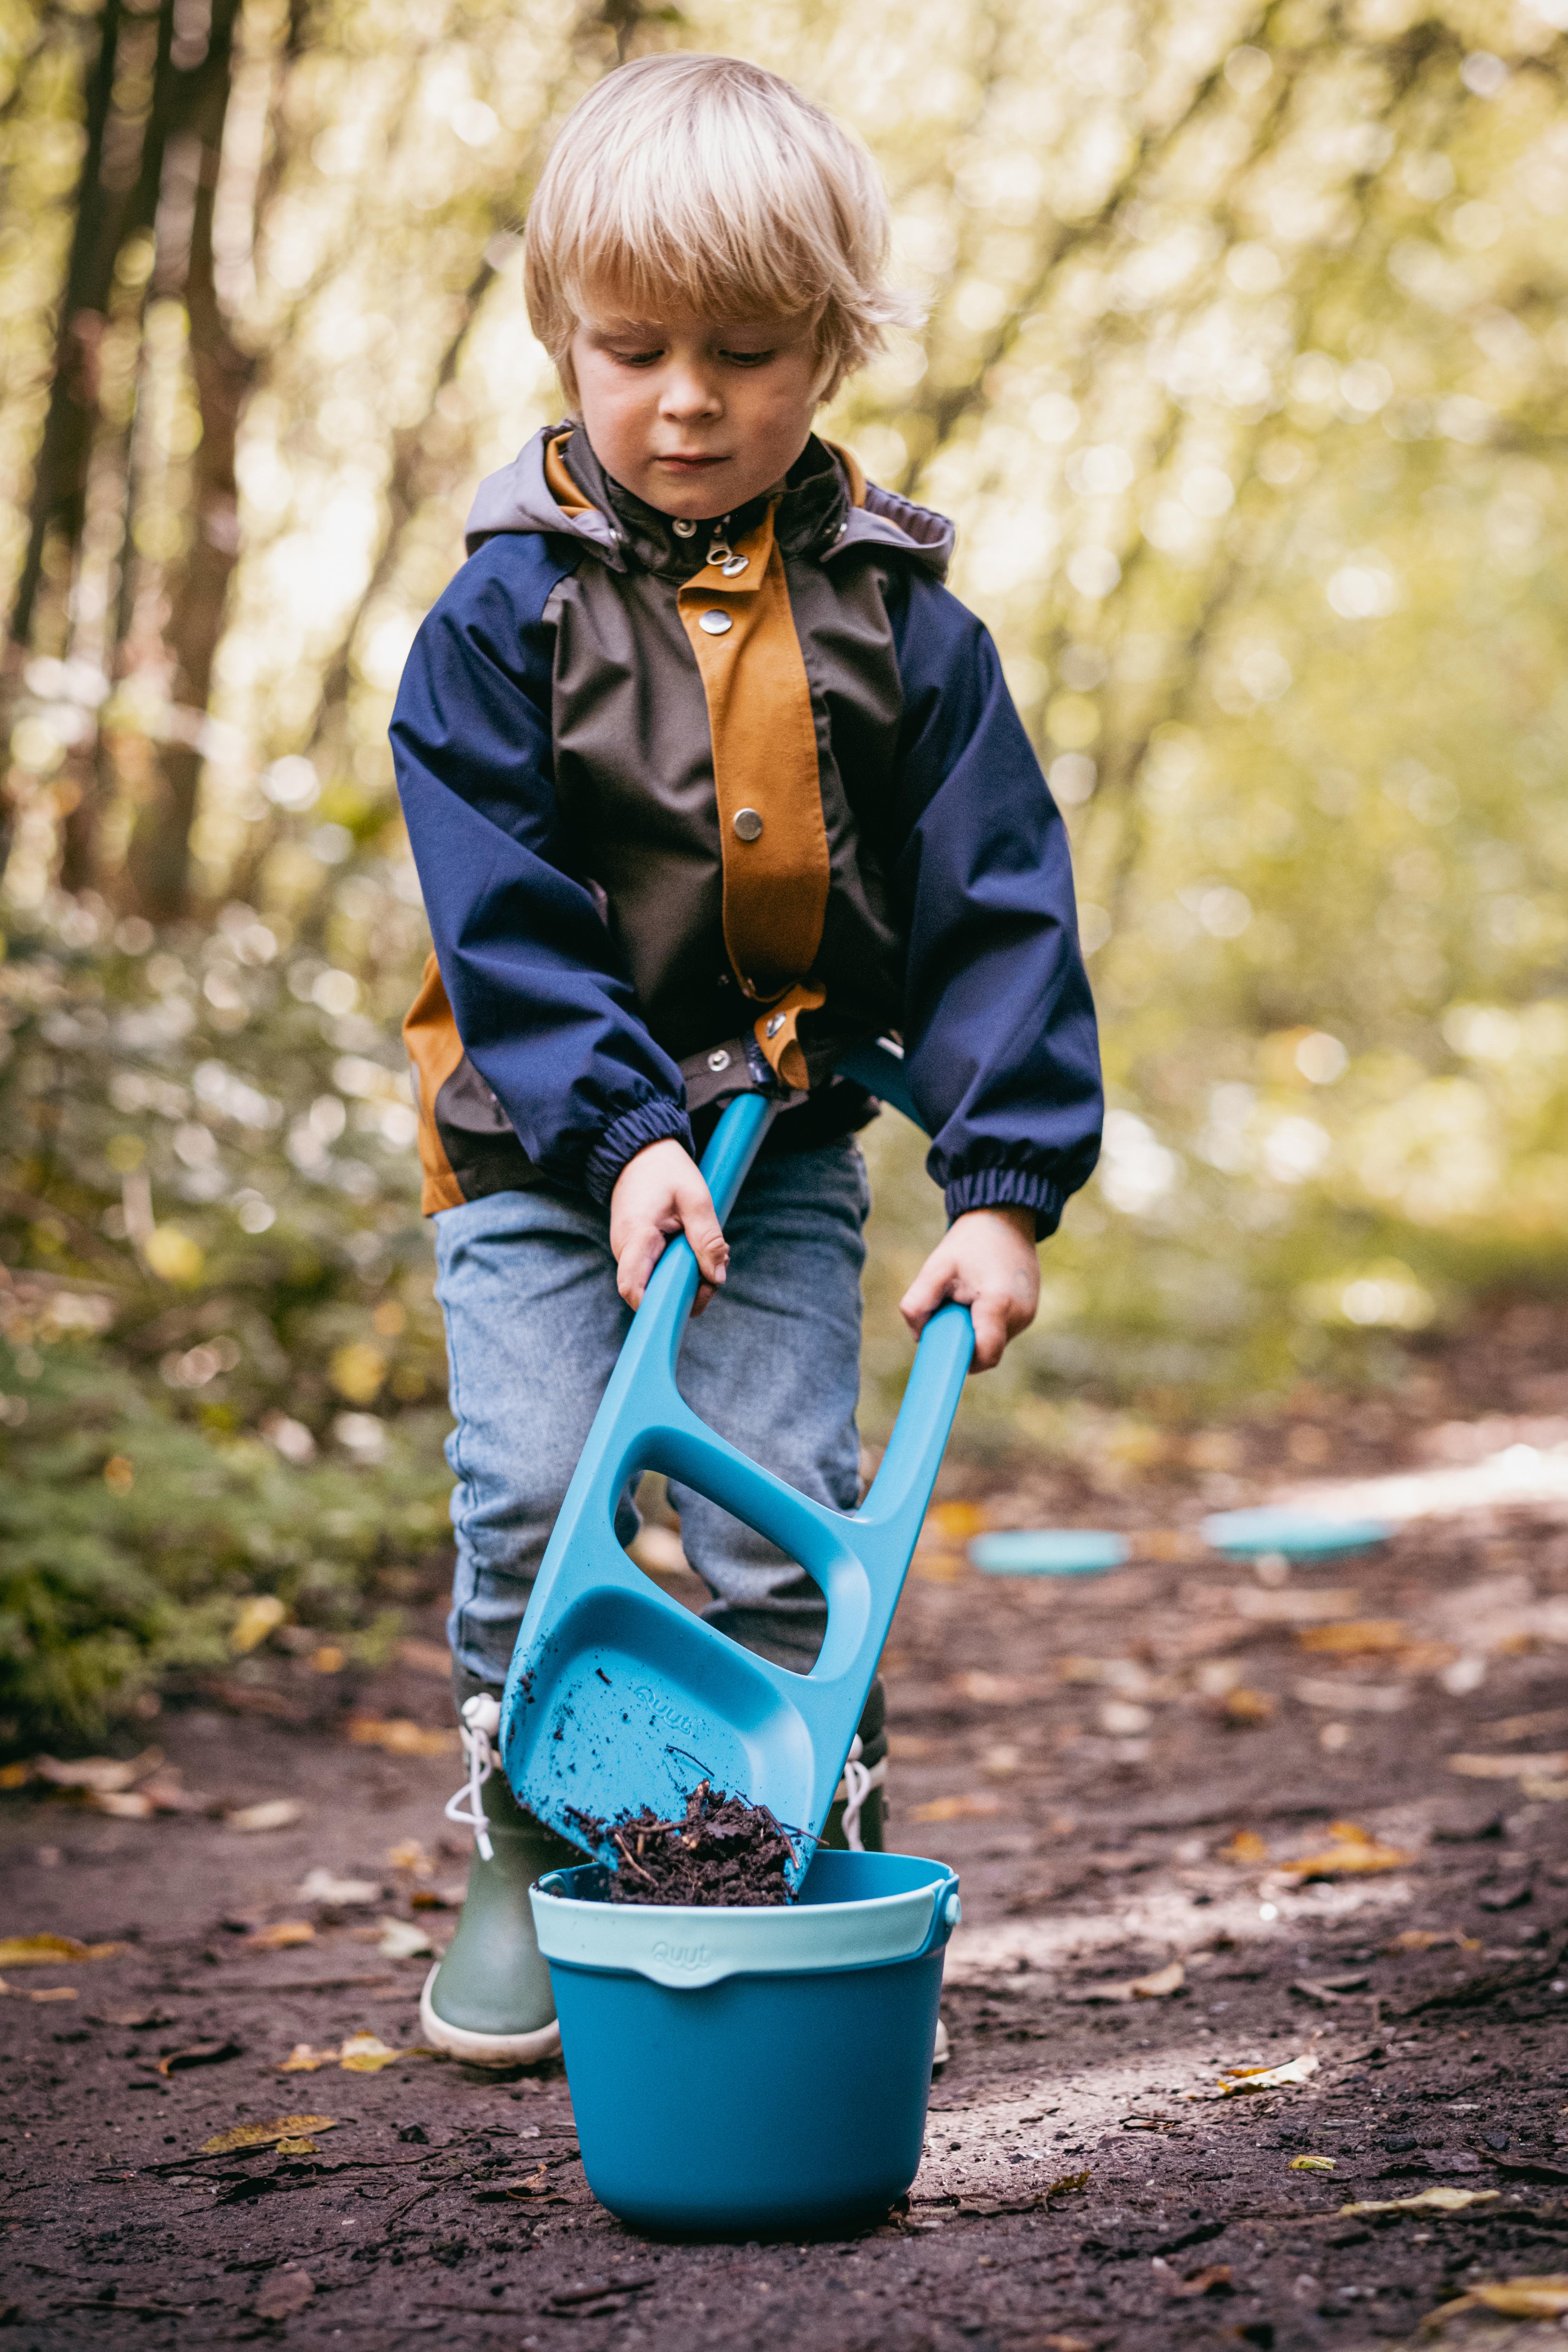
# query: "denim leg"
[[534, 1323], [774, 1366]]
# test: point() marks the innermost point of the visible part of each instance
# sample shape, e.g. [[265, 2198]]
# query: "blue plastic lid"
[[1049, 1551], [1299, 1535]]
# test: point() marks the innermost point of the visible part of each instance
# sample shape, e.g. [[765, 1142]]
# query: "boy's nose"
[[688, 394]]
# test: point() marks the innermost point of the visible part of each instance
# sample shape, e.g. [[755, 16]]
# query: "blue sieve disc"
[[1299, 1535], [1049, 1551]]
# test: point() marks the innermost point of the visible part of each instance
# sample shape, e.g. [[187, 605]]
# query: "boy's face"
[[696, 415]]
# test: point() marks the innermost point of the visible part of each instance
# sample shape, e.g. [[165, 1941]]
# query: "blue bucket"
[[736, 2073]]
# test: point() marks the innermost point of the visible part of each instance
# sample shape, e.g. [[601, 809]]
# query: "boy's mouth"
[[693, 464]]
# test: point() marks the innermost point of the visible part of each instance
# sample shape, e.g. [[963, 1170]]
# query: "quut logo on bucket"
[[670, 1717], [680, 1956]]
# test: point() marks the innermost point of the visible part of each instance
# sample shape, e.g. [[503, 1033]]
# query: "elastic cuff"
[[1007, 1188], [651, 1122]]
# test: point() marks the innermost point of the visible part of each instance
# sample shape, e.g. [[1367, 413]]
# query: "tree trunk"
[[158, 865]]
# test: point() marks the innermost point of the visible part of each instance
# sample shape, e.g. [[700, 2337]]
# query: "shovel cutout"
[[618, 1697]]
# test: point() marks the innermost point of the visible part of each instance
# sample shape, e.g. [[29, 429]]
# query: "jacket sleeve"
[[999, 1030], [529, 966]]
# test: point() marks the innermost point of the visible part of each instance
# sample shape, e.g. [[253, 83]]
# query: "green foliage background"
[[1245, 384]]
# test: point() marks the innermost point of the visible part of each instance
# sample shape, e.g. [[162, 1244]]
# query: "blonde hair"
[[710, 180]]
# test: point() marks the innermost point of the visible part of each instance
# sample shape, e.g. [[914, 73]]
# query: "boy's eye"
[[637, 359], [746, 359]]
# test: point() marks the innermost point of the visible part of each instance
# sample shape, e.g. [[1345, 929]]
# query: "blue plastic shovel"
[[618, 1697]]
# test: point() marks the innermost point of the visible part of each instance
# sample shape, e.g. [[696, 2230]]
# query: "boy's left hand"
[[988, 1264]]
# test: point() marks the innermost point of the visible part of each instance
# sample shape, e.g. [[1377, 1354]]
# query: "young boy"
[[707, 778]]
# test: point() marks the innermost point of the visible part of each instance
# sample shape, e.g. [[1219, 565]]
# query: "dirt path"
[[1086, 1754]]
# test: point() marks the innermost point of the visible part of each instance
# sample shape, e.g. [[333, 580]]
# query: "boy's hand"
[[658, 1193], [988, 1264]]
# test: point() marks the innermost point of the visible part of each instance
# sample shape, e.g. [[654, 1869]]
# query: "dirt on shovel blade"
[[722, 1852]]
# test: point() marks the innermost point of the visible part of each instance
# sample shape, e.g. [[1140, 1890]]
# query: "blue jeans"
[[534, 1323]]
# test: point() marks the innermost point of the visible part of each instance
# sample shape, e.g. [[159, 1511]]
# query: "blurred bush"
[[221, 1366]]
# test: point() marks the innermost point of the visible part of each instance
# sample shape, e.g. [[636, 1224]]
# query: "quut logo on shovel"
[[670, 1717]]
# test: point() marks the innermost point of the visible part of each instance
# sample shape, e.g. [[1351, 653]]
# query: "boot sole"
[[484, 2048]]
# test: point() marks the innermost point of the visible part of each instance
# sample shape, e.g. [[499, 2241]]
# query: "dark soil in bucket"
[[721, 1852]]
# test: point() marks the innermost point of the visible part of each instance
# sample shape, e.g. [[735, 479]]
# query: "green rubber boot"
[[487, 1999]]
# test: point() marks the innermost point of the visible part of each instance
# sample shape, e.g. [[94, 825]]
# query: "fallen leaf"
[[223, 2143], [1509, 1767], [1246, 1708], [164, 1794], [1542, 2297], [320, 1885], [48, 1951], [1545, 1792], [1068, 2181], [1237, 2079], [999, 1690], [1430, 2201], [957, 1521], [1525, 2298], [1354, 1698], [1311, 2164], [1215, 2279], [1150, 1988], [53, 1992], [15, 1776], [1294, 1605], [1244, 1848], [1355, 1637], [103, 1775], [298, 2147], [281, 1936], [368, 2053], [1529, 2168], [409, 1854], [1432, 1940], [121, 1804], [200, 2054], [271, 1813], [399, 1735], [1507, 1897], [284, 2294], [303, 2059], [1352, 1851], [400, 1939], [260, 1616], [975, 1807]]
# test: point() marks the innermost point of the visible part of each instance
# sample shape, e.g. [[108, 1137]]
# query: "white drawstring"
[[856, 1785], [481, 1721]]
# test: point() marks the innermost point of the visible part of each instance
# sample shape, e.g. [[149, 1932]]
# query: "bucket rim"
[[687, 1946]]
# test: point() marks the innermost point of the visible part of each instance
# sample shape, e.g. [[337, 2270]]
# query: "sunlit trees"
[[1245, 382]]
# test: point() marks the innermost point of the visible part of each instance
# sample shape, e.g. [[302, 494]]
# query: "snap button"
[[734, 565], [718, 1059], [716, 625], [776, 1022], [684, 529], [748, 823]]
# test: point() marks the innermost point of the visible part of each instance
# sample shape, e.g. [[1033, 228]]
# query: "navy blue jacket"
[[568, 754]]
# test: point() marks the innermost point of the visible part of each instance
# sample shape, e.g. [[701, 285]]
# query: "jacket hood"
[[844, 511]]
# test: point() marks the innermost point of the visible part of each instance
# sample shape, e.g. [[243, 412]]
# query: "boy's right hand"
[[659, 1193]]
